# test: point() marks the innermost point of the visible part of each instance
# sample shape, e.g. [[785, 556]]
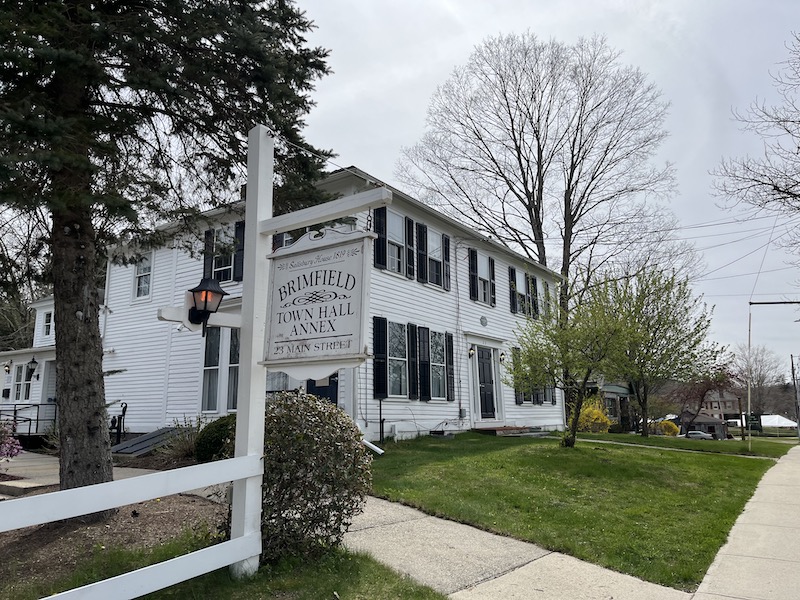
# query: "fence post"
[[246, 507]]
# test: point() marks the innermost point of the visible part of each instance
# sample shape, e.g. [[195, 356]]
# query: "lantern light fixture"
[[207, 297], [502, 357], [7, 367], [471, 352], [32, 366]]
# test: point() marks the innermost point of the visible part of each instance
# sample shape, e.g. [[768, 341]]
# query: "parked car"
[[699, 435]]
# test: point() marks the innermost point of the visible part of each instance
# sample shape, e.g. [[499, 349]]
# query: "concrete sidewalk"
[[760, 561]]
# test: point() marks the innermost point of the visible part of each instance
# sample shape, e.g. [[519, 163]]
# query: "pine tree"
[[118, 115]]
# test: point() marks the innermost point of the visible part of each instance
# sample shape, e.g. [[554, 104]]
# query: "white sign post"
[[333, 326]]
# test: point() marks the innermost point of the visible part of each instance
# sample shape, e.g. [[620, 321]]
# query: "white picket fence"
[[47, 508]]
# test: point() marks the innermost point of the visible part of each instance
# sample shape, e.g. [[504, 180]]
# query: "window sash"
[[437, 362], [144, 269], [394, 256], [396, 228], [397, 359], [47, 327], [222, 265], [484, 294], [434, 271]]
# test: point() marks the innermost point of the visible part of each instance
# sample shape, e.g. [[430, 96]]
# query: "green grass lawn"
[[350, 575], [655, 514], [756, 447]]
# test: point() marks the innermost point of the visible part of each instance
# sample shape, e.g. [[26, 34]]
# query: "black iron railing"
[[30, 419]]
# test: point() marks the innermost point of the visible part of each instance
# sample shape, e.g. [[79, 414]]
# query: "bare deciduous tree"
[[764, 369], [536, 143], [770, 182]]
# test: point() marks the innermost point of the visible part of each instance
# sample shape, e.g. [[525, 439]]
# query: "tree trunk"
[[82, 418], [85, 453], [571, 435]]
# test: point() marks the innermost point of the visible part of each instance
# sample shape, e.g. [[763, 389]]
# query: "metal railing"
[[30, 419]]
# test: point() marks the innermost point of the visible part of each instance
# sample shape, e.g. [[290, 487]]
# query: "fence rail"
[[66, 504]]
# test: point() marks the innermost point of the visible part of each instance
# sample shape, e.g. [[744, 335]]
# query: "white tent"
[[776, 421]]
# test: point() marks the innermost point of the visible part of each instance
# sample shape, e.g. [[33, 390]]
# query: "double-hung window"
[[144, 271], [223, 252], [396, 246], [524, 293], [438, 365], [22, 383], [435, 257], [220, 369], [47, 324], [481, 278], [222, 269], [397, 359]]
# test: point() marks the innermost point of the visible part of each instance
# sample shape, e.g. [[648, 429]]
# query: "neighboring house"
[[29, 377], [444, 306], [721, 405], [617, 399], [688, 421]]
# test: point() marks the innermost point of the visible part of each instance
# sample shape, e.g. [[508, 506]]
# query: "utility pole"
[[750, 367], [796, 398]]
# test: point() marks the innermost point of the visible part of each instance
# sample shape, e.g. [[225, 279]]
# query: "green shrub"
[[216, 439], [616, 428], [593, 416], [316, 476], [668, 428]]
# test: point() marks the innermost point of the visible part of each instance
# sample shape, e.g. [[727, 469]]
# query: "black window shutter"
[[422, 253], [379, 216], [380, 334], [512, 286], [528, 303], [410, 248], [208, 253], [546, 295], [473, 274], [423, 334], [446, 262], [451, 370], [279, 240], [519, 395], [534, 298], [238, 255], [492, 289], [413, 363]]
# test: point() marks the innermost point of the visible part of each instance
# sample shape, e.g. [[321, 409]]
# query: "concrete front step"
[[19, 487]]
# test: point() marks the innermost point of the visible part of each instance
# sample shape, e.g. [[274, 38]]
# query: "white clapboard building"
[[443, 307]]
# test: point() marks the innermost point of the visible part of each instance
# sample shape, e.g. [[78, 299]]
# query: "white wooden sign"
[[319, 291]]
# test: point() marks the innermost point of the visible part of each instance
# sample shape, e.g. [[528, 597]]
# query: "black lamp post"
[[207, 297]]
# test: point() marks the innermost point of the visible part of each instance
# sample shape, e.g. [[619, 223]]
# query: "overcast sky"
[[707, 56]]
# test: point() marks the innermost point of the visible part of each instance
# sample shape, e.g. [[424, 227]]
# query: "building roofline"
[[467, 232]]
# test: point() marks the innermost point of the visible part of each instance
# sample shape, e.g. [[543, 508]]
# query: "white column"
[[246, 509]]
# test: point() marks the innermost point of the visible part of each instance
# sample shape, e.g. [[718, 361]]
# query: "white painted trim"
[[329, 211], [164, 574], [66, 504], [250, 403]]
